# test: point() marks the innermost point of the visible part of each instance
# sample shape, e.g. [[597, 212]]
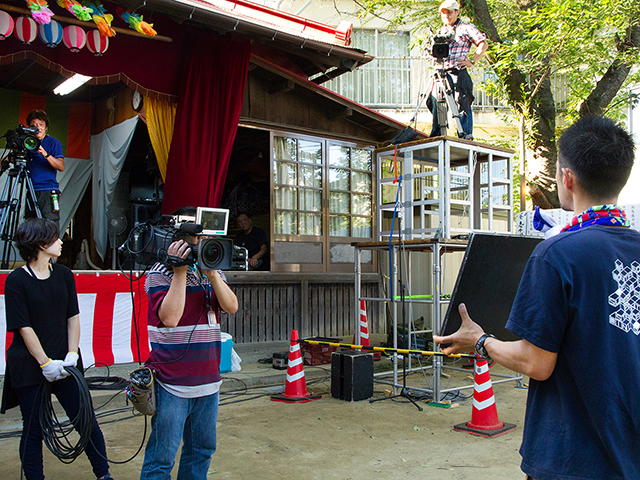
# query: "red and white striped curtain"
[[113, 322]]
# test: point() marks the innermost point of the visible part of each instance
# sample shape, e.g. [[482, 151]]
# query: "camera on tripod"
[[22, 139], [440, 42], [149, 242]]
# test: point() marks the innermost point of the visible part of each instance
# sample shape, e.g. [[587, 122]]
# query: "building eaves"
[[290, 32]]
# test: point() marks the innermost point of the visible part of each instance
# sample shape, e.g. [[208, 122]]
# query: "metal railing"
[[397, 83]]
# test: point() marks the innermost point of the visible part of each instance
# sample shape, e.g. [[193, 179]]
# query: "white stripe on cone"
[[484, 404], [481, 387], [295, 376], [482, 369]]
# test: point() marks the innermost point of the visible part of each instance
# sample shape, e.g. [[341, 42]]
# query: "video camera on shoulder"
[[149, 242]]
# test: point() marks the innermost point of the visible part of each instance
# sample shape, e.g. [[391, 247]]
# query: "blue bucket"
[[225, 353]]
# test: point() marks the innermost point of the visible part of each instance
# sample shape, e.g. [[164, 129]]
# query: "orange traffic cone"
[[295, 390], [484, 416], [364, 330]]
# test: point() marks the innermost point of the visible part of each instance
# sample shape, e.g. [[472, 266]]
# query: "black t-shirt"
[[44, 305], [251, 242]]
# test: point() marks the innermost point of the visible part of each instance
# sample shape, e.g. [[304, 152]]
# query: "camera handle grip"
[[174, 261]]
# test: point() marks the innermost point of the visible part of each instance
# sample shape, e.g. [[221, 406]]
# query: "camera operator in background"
[[184, 332], [457, 63], [43, 167], [43, 314]]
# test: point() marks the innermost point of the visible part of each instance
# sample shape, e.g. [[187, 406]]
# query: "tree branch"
[[607, 87]]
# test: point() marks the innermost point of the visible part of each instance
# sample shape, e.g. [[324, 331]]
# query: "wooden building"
[[253, 130]]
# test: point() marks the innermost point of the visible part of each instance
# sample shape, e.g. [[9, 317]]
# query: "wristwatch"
[[473, 62], [480, 350]]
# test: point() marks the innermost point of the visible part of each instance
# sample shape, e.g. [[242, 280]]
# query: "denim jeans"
[[192, 420], [66, 391], [466, 122]]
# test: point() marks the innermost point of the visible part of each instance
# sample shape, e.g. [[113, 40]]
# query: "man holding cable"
[[578, 296]]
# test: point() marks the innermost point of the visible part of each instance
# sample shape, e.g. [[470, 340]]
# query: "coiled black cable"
[[56, 434]]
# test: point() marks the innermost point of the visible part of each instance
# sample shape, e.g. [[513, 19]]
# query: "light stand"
[[404, 393], [11, 202]]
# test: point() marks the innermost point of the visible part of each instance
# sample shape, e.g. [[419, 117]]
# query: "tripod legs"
[[403, 394], [10, 206], [446, 101]]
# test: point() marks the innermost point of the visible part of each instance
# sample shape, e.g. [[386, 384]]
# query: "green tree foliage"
[[595, 43]]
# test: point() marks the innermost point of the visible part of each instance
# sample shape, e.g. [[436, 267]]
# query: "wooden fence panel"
[[269, 310]]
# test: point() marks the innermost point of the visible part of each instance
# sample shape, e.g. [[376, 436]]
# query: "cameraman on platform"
[[456, 64], [184, 332], [43, 167]]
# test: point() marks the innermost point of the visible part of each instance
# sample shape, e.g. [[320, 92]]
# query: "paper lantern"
[[74, 38], [97, 43], [50, 34], [6, 25], [26, 29]]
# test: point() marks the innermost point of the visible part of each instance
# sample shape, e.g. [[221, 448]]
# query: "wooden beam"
[[282, 85], [344, 112]]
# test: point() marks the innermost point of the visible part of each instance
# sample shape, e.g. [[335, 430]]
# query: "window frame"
[[325, 238]]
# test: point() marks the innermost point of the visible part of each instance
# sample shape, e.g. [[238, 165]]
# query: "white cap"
[[449, 5]]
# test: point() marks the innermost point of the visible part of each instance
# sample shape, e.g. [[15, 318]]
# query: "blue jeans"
[[192, 420], [466, 122]]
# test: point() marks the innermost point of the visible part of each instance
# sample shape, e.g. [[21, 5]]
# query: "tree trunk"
[[543, 136]]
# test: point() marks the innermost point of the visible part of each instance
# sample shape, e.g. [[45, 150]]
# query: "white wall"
[[631, 193]]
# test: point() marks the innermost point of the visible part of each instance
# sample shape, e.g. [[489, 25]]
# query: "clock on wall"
[[136, 101]]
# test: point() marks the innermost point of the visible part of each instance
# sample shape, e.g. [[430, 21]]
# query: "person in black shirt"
[[42, 312], [254, 240]]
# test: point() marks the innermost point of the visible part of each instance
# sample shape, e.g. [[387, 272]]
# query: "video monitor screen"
[[213, 220]]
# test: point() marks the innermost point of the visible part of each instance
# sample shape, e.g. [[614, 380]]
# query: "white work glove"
[[54, 370], [71, 360]]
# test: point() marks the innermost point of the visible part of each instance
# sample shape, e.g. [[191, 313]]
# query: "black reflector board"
[[488, 281]]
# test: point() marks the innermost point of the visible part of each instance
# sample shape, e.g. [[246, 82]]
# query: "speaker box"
[[141, 213], [352, 375]]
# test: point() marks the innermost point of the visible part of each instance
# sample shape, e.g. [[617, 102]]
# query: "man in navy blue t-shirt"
[[43, 167], [578, 313]]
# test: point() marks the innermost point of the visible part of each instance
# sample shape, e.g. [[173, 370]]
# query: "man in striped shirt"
[[184, 332]]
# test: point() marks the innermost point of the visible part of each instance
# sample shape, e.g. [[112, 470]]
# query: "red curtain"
[[209, 105]]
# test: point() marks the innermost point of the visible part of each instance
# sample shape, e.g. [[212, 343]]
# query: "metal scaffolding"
[[432, 194]]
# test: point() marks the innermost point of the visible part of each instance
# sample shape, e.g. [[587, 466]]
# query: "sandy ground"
[[323, 439]]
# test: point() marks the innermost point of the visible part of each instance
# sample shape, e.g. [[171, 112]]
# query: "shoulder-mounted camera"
[[148, 242]]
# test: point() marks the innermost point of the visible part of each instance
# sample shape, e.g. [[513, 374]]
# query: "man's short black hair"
[[34, 233], [40, 115], [187, 211], [600, 152], [243, 213]]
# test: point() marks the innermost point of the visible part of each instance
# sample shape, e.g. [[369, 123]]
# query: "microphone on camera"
[[191, 228]]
